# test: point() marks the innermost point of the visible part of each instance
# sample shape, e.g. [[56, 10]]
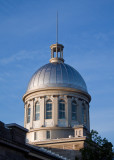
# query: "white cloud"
[[18, 57]]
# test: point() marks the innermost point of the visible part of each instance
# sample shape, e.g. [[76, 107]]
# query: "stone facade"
[[60, 128]]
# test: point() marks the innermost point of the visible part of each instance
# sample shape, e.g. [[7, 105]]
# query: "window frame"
[[48, 134], [48, 109], [37, 113], [61, 109], [28, 113], [74, 103], [35, 136], [80, 132]]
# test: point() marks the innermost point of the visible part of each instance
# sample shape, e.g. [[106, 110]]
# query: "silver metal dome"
[[57, 75]]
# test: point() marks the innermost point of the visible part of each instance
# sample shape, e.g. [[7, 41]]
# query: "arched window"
[[28, 114], [74, 110], [61, 109], [48, 109], [83, 115], [37, 111]]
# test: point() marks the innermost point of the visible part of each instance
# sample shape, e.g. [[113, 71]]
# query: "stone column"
[[31, 114], [69, 110], [55, 110], [56, 52], [52, 53], [42, 110], [62, 53]]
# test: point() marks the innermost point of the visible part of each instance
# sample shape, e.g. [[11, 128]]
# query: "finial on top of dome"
[[57, 48]]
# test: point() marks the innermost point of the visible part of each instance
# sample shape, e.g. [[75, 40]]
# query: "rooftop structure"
[[13, 145]]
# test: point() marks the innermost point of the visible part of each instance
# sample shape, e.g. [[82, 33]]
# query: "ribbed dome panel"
[[57, 75]]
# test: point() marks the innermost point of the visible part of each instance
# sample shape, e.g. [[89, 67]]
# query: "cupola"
[[57, 53]]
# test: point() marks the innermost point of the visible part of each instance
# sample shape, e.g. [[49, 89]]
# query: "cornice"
[[57, 89]]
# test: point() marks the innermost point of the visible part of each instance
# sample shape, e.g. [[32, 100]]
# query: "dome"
[[57, 75]]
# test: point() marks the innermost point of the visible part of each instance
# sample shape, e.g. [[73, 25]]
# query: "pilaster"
[[42, 110], [55, 110], [69, 110]]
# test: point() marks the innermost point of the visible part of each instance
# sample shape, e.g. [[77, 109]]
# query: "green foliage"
[[97, 148]]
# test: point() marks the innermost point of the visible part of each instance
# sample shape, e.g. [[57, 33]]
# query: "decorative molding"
[[56, 89], [42, 96]]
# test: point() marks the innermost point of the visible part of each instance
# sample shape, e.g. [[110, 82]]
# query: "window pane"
[[73, 108], [28, 119], [49, 115], [73, 116], [28, 116], [48, 134], [37, 111], [37, 116], [74, 111], [60, 106], [37, 108], [35, 135], [61, 109], [61, 115], [28, 111], [49, 109]]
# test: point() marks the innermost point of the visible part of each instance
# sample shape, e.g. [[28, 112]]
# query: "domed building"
[[56, 103]]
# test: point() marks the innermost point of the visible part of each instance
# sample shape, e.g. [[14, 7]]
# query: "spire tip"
[[57, 29]]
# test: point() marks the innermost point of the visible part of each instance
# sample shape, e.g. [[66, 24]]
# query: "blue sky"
[[86, 29]]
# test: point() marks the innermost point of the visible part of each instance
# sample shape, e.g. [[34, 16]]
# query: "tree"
[[97, 148]]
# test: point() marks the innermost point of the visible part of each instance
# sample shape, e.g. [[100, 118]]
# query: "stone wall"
[[42, 124]]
